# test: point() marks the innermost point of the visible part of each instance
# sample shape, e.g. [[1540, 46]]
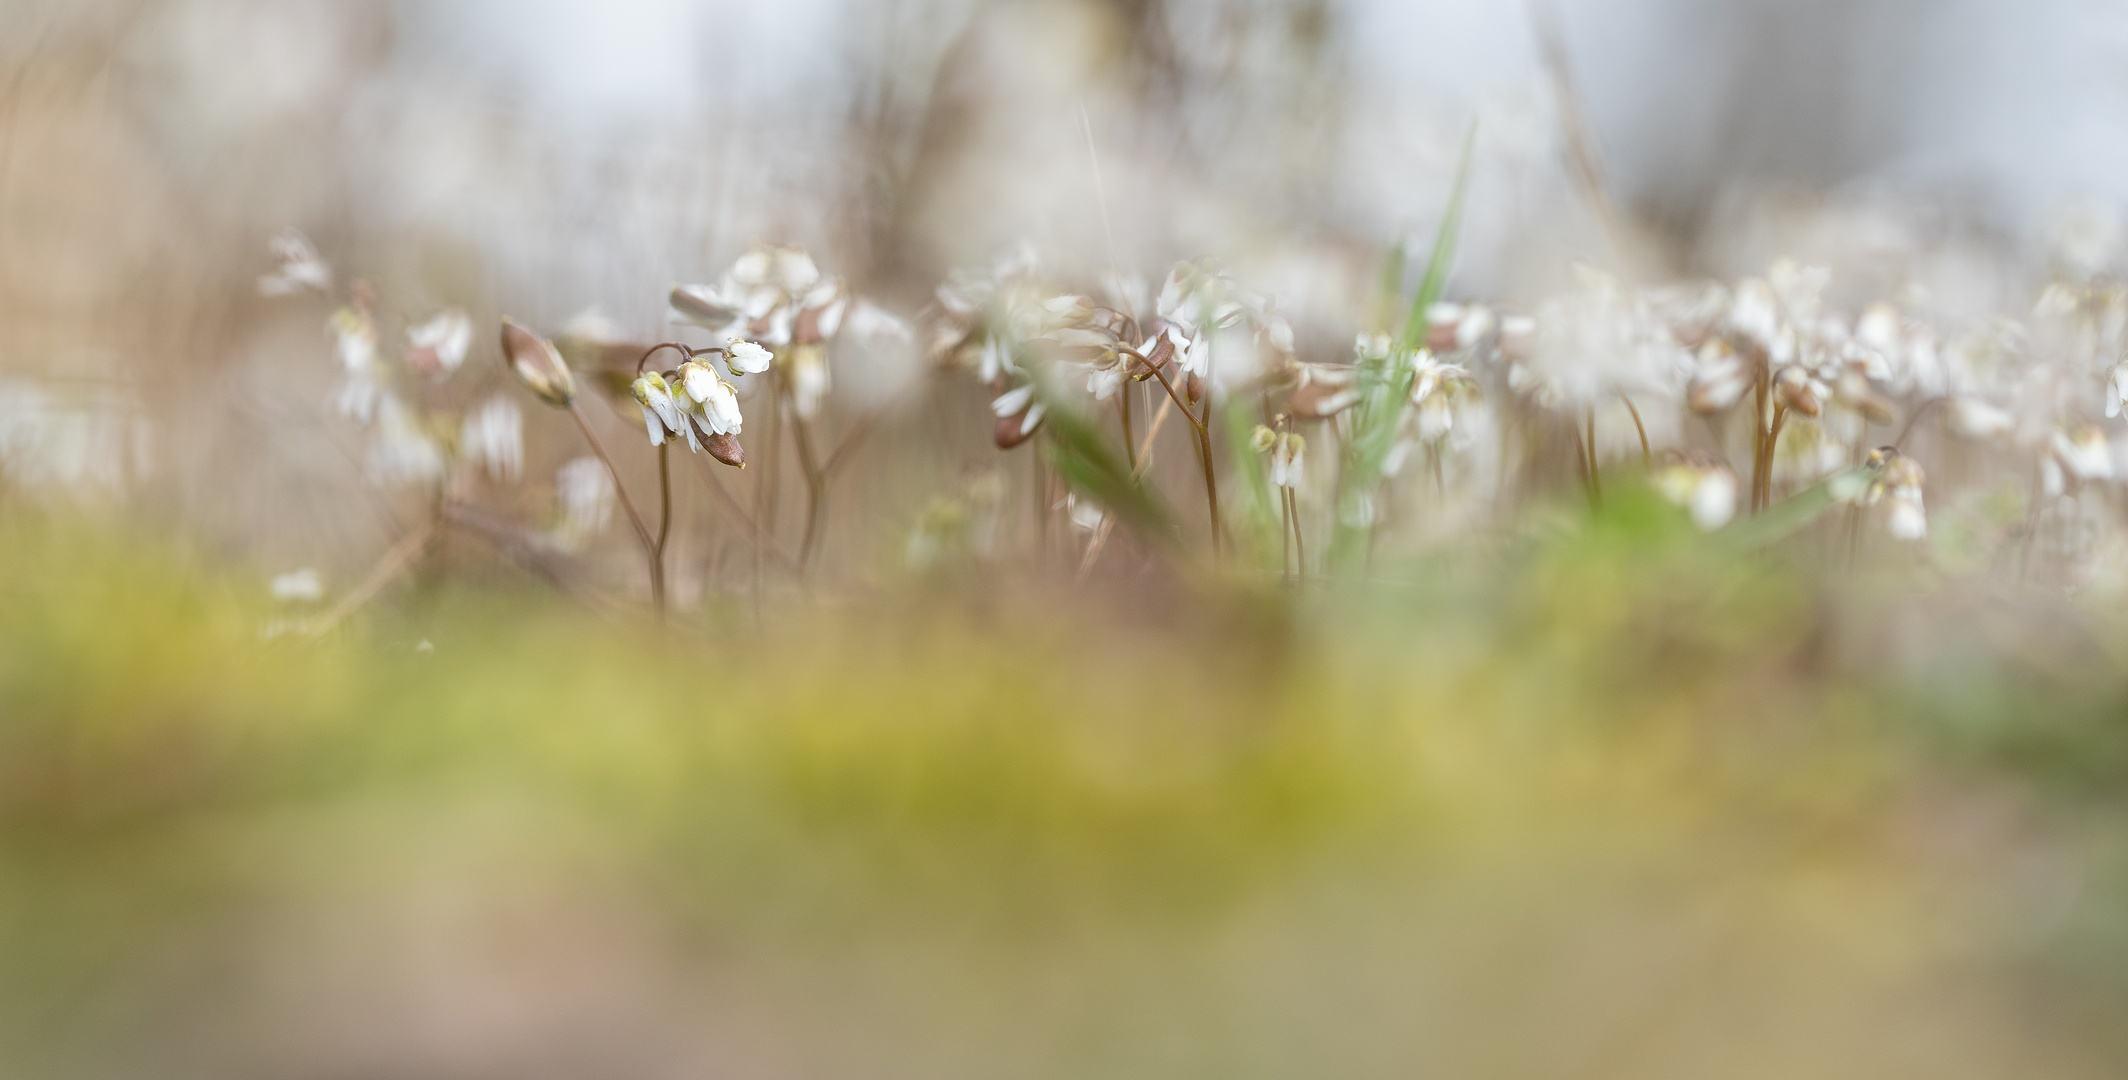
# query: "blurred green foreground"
[[1607, 803]]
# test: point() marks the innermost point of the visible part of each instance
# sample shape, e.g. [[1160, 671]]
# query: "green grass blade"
[[1084, 460]]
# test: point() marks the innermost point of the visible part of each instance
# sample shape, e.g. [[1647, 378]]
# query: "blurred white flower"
[[355, 345], [299, 267], [493, 438], [1085, 514], [1977, 419], [302, 586], [1288, 460], [1707, 490], [400, 452], [438, 346], [585, 492], [1020, 401], [2086, 454], [809, 379]]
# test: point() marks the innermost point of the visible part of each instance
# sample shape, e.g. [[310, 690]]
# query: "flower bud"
[[1794, 385], [537, 365], [703, 305], [746, 358]]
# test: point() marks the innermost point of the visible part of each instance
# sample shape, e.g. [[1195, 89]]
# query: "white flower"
[[1977, 419], [1708, 492], [1906, 519], [993, 360], [1012, 401], [809, 379], [493, 437], [440, 344], [1720, 379], [874, 323], [2116, 390], [662, 415], [1017, 400], [716, 407], [300, 267], [400, 451], [355, 344], [2086, 454], [585, 492], [1104, 382], [1084, 514], [1288, 460], [746, 358], [302, 586]]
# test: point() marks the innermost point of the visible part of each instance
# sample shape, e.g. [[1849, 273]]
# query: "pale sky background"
[[2021, 100]]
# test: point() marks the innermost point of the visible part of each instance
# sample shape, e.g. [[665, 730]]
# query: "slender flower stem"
[[1204, 455], [816, 488], [650, 544], [1647, 458], [664, 503], [1300, 547], [1130, 448], [1595, 473]]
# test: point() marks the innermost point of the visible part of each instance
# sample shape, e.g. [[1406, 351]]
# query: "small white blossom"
[[493, 438], [400, 452], [299, 267], [302, 586], [585, 492], [746, 358], [439, 345]]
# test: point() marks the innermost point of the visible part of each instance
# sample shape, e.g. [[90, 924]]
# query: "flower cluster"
[[412, 442], [695, 403]]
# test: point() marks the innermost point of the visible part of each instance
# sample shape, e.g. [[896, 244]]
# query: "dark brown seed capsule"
[[1013, 430], [726, 448]]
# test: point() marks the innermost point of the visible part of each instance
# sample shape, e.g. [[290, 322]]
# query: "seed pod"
[[1157, 356], [537, 365], [1013, 430], [1321, 400], [698, 304], [1195, 388], [726, 448]]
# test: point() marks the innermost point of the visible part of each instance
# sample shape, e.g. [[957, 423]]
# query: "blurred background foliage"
[[1611, 801]]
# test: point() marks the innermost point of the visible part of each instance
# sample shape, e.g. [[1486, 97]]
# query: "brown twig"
[[397, 558]]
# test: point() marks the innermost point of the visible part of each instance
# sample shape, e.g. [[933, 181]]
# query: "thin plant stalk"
[[620, 490], [1647, 458], [1204, 452], [664, 503], [1595, 475], [816, 488]]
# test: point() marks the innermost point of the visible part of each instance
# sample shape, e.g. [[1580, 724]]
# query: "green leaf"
[[1444, 251], [1788, 517], [1384, 388], [1078, 454]]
